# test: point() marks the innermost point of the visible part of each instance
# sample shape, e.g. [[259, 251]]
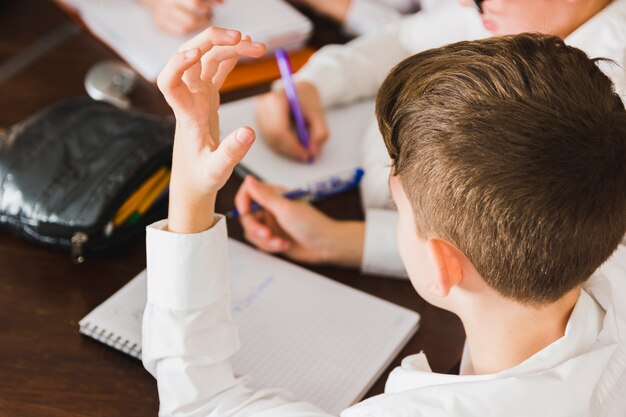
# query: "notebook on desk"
[[128, 28], [323, 341], [341, 153]]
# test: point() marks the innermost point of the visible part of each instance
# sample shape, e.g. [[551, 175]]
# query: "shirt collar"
[[581, 332]]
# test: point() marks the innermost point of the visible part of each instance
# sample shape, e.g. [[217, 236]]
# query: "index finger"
[[220, 60], [212, 36]]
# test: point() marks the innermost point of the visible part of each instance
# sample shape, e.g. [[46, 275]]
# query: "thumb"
[[265, 195], [232, 150]]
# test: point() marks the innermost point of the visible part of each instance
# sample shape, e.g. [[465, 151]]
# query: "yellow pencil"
[[147, 202], [130, 205]]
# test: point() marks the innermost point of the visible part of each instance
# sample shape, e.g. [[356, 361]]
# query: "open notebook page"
[[127, 26], [346, 124], [321, 340]]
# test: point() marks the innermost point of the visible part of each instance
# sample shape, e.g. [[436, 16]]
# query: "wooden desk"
[[46, 367]]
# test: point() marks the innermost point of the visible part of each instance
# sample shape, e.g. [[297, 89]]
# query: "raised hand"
[[190, 83]]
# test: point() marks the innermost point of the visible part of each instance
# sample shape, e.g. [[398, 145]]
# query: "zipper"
[[78, 240]]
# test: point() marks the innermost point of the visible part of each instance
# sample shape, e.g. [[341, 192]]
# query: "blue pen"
[[284, 66], [316, 191]]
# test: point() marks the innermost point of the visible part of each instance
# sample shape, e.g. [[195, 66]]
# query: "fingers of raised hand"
[[211, 36], [220, 60], [170, 80], [226, 67], [229, 153]]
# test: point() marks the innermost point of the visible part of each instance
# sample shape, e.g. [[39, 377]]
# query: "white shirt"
[[369, 16], [189, 335], [345, 73]]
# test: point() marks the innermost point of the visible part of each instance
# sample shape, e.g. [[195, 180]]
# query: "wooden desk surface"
[[46, 367]]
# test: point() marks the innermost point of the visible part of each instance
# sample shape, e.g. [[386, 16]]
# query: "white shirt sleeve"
[[369, 16], [380, 252], [345, 73], [189, 333]]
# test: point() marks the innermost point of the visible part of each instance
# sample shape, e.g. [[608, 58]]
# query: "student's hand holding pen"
[[274, 119], [296, 229], [182, 16], [201, 165]]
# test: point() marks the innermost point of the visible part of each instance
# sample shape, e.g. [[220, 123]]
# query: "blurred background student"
[[182, 16], [357, 17], [342, 74]]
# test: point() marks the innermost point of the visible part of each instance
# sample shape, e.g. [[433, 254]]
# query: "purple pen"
[[284, 66]]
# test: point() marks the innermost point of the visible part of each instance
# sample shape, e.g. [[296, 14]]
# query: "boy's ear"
[[448, 260]]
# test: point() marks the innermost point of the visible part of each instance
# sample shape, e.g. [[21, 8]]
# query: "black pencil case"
[[66, 170]]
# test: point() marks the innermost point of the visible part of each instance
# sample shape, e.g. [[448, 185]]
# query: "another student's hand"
[[201, 165], [297, 229], [182, 16], [274, 119]]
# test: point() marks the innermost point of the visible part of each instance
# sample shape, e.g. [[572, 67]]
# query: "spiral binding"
[[110, 339]]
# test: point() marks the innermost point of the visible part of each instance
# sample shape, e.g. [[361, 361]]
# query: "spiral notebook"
[[323, 341]]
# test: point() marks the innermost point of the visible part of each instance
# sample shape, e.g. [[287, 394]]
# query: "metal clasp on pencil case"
[[317, 191]]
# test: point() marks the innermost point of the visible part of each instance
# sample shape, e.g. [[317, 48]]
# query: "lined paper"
[[323, 341], [346, 124]]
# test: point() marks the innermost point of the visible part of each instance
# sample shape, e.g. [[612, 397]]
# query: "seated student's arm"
[[301, 232], [369, 16], [345, 73], [341, 74], [360, 17], [188, 331]]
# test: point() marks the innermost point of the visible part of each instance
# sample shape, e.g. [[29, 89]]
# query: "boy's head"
[[509, 155], [554, 17]]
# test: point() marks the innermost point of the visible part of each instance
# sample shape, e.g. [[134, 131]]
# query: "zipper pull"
[[78, 240]]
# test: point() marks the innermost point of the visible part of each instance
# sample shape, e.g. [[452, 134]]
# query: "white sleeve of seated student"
[[380, 251], [189, 334], [369, 16], [345, 73]]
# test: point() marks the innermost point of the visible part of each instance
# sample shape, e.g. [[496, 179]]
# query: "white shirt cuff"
[[200, 258], [325, 70], [312, 76], [380, 253]]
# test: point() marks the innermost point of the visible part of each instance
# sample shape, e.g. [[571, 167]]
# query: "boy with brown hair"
[[342, 74], [510, 180]]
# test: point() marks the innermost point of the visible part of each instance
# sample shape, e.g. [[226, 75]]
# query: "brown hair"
[[513, 149]]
